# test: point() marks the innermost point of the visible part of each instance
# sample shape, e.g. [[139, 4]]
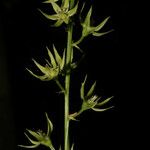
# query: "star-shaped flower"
[[90, 101], [40, 138], [62, 13], [88, 29], [50, 70]]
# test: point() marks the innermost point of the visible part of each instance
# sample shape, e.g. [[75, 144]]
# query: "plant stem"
[[60, 86], [67, 87]]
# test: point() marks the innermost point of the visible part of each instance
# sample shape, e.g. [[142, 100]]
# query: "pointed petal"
[[90, 92], [50, 17], [105, 101], [56, 8], [101, 110], [82, 89], [88, 18], [49, 125], [41, 68], [50, 1], [34, 134], [65, 4], [58, 23], [57, 56], [53, 62], [76, 46], [72, 147], [101, 25], [60, 148], [73, 11], [36, 76], [63, 61], [32, 141], [81, 12], [32, 146], [72, 55], [101, 34]]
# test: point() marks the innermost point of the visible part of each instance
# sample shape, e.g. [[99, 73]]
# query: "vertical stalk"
[[67, 88], [67, 82]]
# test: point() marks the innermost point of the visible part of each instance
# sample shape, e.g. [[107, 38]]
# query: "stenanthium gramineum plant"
[[60, 64]]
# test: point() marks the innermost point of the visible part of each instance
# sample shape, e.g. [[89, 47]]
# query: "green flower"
[[50, 70], [87, 29], [40, 138], [62, 14], [91, 101]]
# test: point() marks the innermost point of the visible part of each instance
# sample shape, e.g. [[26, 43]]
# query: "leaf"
[[57, 56], [100, 26], [101, 110], [53, 62], [90, 92], [105, 101], [73, 11], [82, 89], [50, 17], [49, 125]]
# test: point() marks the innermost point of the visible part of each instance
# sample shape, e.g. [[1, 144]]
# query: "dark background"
[[24, 34]]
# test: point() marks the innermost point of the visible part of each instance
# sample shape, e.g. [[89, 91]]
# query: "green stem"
[[67, 87], [79, 41], [60, 86]]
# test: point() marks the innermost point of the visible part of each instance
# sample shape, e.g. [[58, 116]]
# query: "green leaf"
[[105, 101], [73, 11], [57, 56], [49, 125], [50, 17], [90, 92], [82, 89], [101, 25], [53, 62]]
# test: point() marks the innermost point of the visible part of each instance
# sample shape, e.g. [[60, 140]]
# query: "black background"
[[24, 34]]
